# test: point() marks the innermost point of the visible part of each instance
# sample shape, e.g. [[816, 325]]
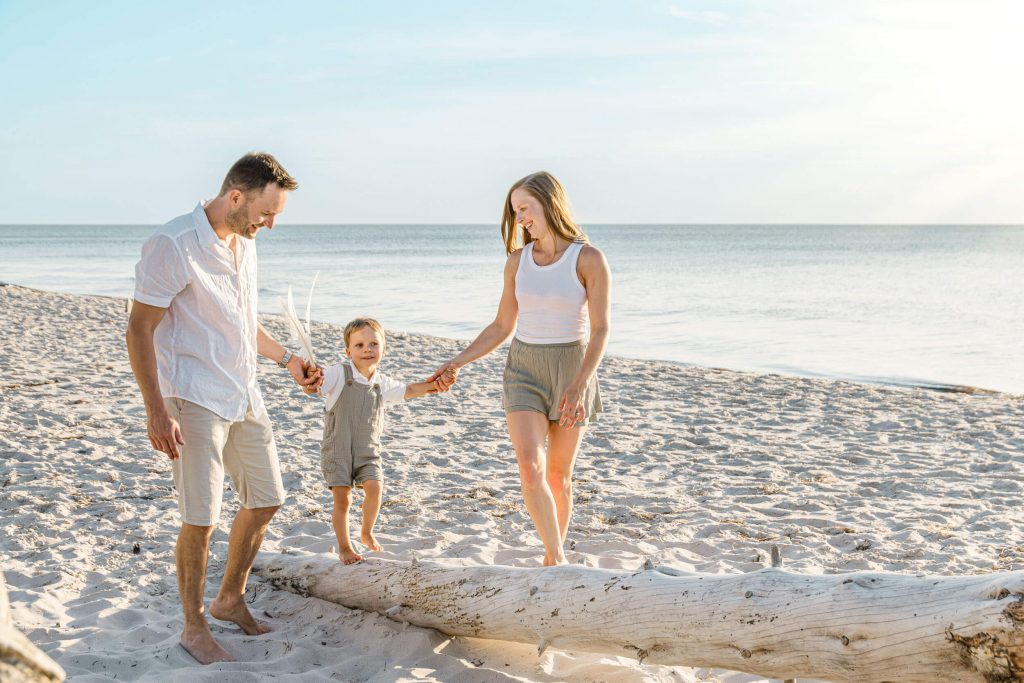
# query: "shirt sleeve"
[[161, 272], [334, 383], [391, 390]]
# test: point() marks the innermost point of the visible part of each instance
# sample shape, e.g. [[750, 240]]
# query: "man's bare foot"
[[370, 541], [236, 612], [203, 648], [349, 556]]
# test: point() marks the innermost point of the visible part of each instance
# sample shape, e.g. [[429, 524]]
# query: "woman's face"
[[529, 213]]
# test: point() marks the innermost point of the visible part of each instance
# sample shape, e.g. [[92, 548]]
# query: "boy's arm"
[[418, 389]]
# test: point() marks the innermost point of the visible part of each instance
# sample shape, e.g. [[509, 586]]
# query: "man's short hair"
[[255, 171]]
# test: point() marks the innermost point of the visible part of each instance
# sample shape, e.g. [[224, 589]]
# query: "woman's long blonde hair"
[[546, 189]]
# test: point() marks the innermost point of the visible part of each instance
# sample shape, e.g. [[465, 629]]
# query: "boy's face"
[[365, 348]]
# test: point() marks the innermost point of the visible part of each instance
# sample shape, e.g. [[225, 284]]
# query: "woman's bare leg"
[[563, 445], [528, 431]]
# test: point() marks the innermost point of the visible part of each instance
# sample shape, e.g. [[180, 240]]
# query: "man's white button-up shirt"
[[206, 342]]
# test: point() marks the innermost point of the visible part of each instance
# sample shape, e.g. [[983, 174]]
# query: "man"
[[192, 340]]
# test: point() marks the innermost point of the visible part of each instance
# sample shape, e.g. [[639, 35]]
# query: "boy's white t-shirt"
[[391, 390]]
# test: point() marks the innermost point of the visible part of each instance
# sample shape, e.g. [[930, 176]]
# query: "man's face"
[[257, 210]]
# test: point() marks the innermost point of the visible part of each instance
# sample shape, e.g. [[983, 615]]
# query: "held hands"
[[444, 377], [307, 376], [164, 433], [571, 407]]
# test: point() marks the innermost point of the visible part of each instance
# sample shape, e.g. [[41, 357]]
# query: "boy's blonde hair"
[[360, 323]]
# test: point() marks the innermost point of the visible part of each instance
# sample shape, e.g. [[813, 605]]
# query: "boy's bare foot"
[[236, 612], [370, 541], [349, 556], [203, 648]]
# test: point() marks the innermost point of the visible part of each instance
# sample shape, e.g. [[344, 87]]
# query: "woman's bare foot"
[[203, 648], [349, 556], [236, 612], [550, 561], [370, 541]]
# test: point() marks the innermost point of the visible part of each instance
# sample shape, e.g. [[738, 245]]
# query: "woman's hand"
[[444, 377], [571, 407]]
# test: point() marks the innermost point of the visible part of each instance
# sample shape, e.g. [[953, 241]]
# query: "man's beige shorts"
[[213, 446]]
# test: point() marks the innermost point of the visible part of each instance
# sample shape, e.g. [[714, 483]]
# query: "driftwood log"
[[861, 627], [20, 660]]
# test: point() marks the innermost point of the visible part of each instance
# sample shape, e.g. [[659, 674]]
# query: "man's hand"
[[164, 433], [307, 376]]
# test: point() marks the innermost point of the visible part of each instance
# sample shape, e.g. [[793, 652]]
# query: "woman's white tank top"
[[552, 301]]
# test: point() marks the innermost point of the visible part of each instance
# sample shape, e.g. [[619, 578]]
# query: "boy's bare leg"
[[372, 494], [563, 445], [247, 532], [191, 553], [342, 501]]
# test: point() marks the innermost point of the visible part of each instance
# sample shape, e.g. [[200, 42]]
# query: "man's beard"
[[238, 222]]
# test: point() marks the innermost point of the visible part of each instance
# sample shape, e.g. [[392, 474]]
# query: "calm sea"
[[929, 305]]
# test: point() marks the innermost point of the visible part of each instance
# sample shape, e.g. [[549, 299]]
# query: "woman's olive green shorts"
[[536, 376]]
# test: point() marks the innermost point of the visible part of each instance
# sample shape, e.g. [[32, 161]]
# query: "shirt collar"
[[360, 377], [204, 230], [207, 237]]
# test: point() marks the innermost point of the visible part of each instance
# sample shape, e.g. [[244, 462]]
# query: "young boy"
[[355, 394]]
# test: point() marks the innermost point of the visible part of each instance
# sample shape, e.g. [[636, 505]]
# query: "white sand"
[[696, 468]]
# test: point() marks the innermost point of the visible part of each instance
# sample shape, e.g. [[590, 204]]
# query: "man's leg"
[[190, 554], [250, 457], [247, 533], [199, 477]]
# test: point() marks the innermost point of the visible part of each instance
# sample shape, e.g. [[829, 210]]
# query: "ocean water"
[[926, 305]]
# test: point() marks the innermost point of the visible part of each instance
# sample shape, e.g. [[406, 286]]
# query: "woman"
[[554, 282]]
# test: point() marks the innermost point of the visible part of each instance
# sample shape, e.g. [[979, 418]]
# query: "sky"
[[803, 111]]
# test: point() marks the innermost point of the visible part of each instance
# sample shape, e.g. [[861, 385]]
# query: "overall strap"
[[348, 373]]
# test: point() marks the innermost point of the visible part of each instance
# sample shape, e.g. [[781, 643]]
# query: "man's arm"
[[164, 432], [268, 347]]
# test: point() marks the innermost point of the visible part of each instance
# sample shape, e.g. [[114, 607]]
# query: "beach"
[[696, 468]]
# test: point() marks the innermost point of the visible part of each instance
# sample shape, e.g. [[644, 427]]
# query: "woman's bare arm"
[[597, 280], [492, 336]]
